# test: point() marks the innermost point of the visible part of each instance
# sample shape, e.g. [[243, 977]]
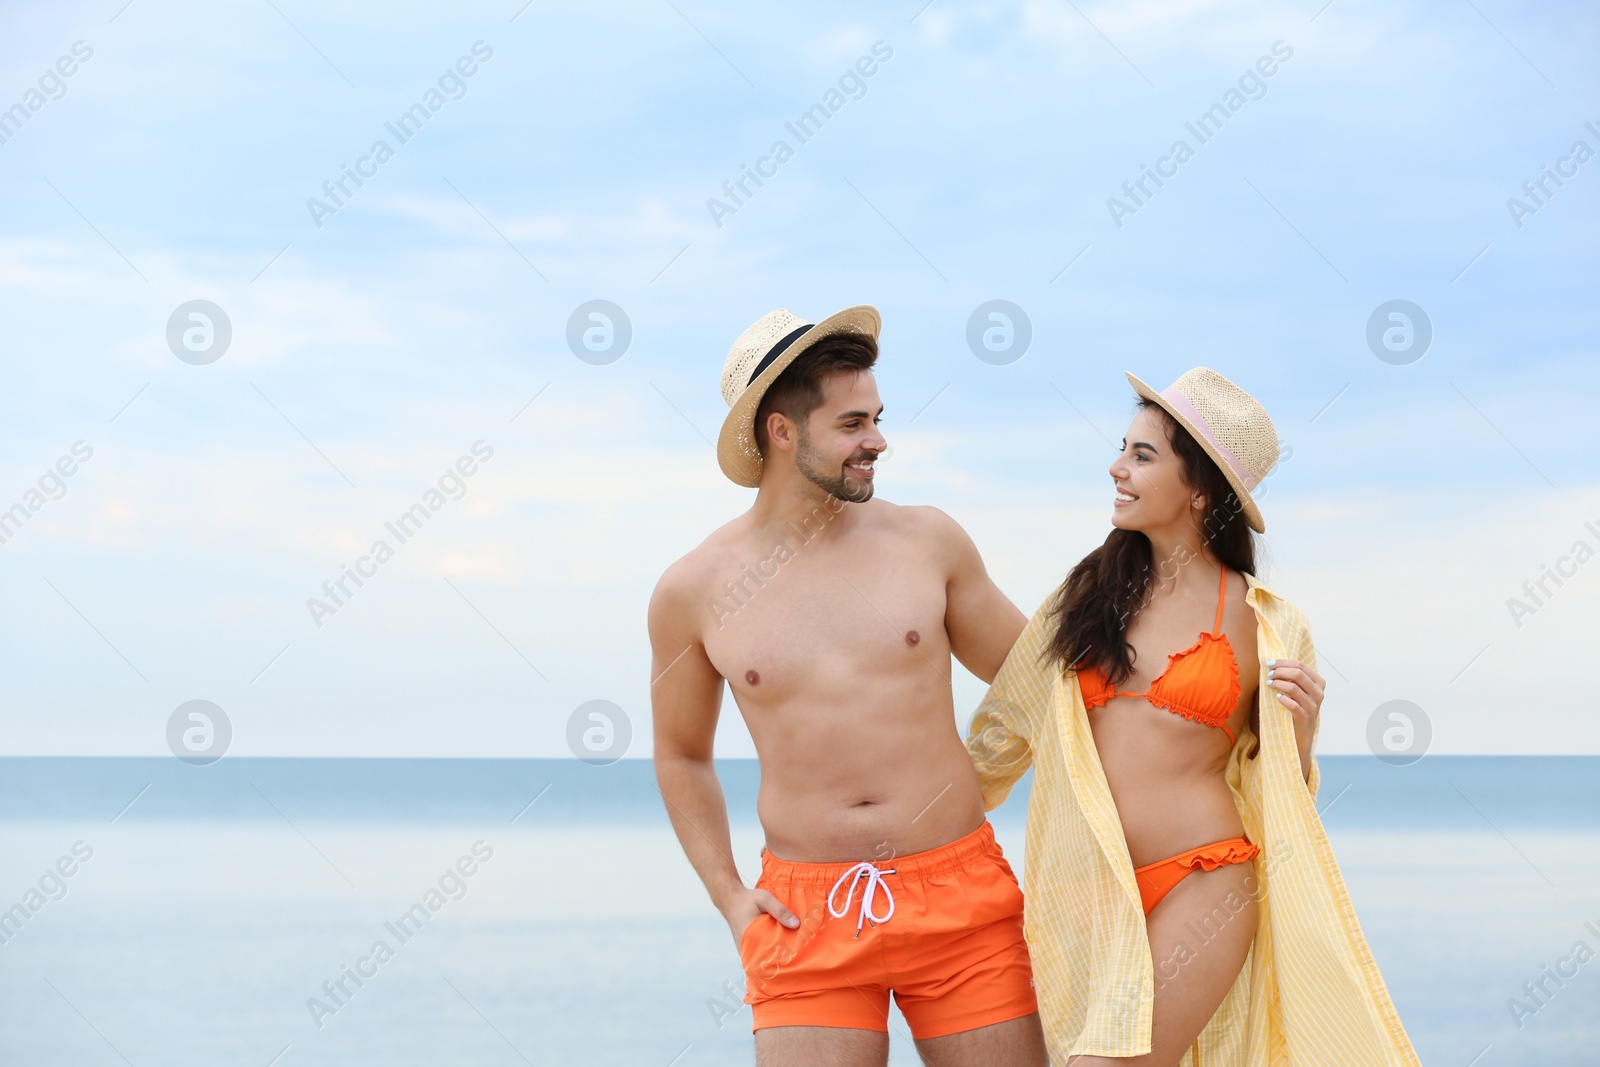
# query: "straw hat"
[[754, 362], [1230, 424]]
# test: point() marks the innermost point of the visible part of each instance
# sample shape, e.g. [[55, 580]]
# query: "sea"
[[542, 912]]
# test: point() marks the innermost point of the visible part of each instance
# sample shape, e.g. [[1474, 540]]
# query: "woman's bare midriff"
[[1166, 775]]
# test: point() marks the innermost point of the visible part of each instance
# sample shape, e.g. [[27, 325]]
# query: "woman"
[[1183, 904]]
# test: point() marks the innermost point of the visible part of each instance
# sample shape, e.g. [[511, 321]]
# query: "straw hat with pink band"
[[1230, 424]]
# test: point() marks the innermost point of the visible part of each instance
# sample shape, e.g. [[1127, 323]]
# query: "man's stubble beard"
[[808, 461]]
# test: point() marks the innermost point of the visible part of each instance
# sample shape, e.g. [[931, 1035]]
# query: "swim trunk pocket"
[[744, 935], [992, 887], [766, 948]]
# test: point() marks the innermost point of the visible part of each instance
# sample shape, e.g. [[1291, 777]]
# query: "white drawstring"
[[874, 883]]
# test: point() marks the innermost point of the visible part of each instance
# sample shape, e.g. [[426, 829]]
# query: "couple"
[[1183, 903]]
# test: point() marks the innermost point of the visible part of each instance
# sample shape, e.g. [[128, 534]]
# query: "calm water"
[[197, 923]]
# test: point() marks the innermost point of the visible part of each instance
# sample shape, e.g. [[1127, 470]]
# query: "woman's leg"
[[1200, 934]]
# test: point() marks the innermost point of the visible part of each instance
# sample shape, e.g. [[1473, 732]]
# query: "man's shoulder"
[[922, 521], [686, 577]]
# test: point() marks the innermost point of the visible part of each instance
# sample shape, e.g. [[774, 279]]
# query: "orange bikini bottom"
[[1157, 879]]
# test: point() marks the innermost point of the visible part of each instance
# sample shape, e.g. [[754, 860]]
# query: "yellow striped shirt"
[[1309, 995]]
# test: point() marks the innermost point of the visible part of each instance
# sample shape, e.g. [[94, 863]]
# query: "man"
[[833, 616]]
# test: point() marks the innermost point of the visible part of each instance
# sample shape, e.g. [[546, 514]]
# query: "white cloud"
[[405, 330]]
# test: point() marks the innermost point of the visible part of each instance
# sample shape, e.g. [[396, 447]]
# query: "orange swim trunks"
[[941, 930]]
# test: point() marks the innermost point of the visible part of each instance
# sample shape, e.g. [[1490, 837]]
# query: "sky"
[[1336, 158]]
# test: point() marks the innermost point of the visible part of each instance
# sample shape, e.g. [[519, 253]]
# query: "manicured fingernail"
[[1272, 662], [791, 922]]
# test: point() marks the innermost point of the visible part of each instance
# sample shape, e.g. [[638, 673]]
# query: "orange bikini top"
[[1200, 683]]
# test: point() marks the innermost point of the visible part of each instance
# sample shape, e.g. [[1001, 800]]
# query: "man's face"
[[835, 447]]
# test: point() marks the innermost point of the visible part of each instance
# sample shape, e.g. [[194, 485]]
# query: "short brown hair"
[[798, 390]]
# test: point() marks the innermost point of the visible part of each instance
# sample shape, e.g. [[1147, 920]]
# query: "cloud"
[[405, 330]]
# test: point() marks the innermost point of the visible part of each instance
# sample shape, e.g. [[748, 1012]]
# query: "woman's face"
[[1149, 478]]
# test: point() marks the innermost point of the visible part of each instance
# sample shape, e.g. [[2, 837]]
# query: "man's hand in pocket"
[[746, 906]]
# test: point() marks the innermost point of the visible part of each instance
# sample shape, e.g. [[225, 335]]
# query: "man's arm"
[[685, 698], [987, 634], [1003, 730], [982, 622]]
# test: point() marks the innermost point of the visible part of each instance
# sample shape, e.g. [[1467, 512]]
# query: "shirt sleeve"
[[1305, 651], [1000, 737]]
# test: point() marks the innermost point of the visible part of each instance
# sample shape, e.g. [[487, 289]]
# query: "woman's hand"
[[1300, 689]]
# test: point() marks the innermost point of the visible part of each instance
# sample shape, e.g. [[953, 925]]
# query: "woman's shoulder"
[[1275, 608]]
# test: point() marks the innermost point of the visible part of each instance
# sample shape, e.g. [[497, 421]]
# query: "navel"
[[752, 677], [912, 637]]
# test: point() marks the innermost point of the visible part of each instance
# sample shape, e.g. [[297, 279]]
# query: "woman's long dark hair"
[[1105, 591]]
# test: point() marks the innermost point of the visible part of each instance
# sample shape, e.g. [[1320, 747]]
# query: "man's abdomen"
[[869, 798]]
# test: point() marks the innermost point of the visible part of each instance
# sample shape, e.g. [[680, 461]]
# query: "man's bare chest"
[[819, 620]]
